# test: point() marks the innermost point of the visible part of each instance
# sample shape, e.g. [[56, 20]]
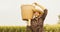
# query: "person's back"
[[37, 22]]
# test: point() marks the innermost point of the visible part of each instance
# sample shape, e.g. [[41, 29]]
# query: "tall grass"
[[47, 28], [12, 29]]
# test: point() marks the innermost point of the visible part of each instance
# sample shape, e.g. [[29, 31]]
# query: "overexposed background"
[[10, 11]]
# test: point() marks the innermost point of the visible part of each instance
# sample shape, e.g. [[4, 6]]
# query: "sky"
[[10, 11]]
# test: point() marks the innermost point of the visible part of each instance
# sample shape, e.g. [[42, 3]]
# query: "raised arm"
[[44, 14], [45, 11]]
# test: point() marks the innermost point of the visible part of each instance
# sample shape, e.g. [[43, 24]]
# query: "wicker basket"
[[27, 12]]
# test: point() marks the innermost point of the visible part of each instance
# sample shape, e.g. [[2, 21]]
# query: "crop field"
[[12, 29], [47, 28]]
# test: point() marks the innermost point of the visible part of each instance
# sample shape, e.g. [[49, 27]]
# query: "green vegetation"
[[52, 28], [12, 29], [58, 19], [47, 28]]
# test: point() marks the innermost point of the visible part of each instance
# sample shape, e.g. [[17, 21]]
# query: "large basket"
[[27, 12]]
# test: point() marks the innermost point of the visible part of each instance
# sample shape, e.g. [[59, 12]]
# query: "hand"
[[35, 3]]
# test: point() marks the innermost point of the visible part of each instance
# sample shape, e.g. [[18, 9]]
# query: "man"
[[37, 22]]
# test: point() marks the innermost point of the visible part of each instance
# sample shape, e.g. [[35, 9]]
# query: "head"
[[37, 14]]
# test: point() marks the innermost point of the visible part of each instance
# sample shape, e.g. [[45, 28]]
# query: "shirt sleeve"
[[44, 14]]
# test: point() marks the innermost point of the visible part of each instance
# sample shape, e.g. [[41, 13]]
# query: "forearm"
[[44, 14]]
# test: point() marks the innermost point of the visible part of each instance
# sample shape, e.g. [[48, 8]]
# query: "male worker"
[[28, 13], [37, 22]]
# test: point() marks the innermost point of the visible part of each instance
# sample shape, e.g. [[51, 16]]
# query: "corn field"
[[47, 28]]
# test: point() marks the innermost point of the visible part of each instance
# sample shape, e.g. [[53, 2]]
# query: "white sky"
[[10, 11]]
